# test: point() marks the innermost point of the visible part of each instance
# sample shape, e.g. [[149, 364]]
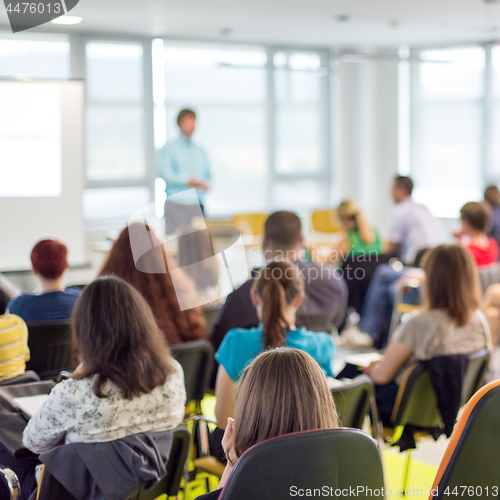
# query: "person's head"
[[492, 196], [402, 188], [282, 236], [451, 282], [282, 391], [277, 292], [475, 218], [186, 120], [49, 259], [347, 213], [151, 276], [118, 338]]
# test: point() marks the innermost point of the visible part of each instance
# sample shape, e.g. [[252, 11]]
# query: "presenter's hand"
[[193, 182]]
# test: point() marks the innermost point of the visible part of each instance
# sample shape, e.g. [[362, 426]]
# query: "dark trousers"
[[24, 469], [179, 216]]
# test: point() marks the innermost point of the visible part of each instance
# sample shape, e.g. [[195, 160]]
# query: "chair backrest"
[[315, 322], [196, 359], [469, 467], [358, 273], [477, 366], [416, 402], [327, 459], [29, 376], [50, 348], [325, 221], [251, 223], [51, 488], [170, 484], [488, 276], [352, 401]]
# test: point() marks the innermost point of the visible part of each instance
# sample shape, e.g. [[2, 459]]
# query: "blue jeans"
[[377, 310]]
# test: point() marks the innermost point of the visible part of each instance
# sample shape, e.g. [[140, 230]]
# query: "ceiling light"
[[67, 20]]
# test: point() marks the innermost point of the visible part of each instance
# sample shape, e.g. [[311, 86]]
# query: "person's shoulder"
[[21, 299], [424, 319], [10, 321], [73, 291], [243, 334]]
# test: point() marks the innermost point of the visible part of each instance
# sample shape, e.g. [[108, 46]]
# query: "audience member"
[[276, 294], [412, 226], [411, 230], [492, 200], [358, 237], [472, 235], [127, 382], [155, 283], [490, 305], [277, 381], [49, 260], [325, 290], [14, 350], [450, 324]]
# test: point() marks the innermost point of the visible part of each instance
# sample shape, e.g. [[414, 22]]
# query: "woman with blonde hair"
[[276, 381], [359, 237], [450, 324]]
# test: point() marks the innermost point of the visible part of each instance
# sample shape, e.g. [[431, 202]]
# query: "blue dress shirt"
[[180, 160]]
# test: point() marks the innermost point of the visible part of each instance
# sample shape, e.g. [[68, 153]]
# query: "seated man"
[[49, 260], [14, 350], [325, 290]]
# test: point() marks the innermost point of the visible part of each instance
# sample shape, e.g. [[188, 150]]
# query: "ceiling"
[[370, 23]]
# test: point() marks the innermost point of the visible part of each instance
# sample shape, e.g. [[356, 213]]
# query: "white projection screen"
[[41, 168]]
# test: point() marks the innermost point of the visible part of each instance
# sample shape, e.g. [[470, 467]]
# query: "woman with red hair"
[[49, 259], [155, 284]]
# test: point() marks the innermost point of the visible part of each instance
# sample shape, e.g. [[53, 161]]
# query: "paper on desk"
[[364, 359], [29, 405]]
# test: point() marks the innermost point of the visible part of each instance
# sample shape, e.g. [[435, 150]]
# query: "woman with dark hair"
[[277, 293], [151, 276], [276, 381], [450, 324], [127, 382]]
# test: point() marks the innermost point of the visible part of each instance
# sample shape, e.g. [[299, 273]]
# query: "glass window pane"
[[115, 142], [494, 166], [114, 71], [114, 203], [298, 140], [223, 75], [300, 195], [459, 76], [45, 56], [237, 156], [446, 133]]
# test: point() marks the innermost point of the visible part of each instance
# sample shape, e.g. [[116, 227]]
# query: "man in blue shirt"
[[183, 165]]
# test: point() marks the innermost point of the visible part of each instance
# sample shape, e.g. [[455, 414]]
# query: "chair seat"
[[210, 465]]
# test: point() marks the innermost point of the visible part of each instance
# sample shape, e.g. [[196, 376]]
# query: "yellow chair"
[[252, 224], [325, 221]]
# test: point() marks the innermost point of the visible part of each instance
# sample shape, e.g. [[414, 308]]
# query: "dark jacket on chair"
[[111, 470]]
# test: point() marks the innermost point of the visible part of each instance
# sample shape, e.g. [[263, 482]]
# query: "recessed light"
[[343, 18], [67, 20]]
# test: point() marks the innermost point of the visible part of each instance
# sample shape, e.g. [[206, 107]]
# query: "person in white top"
[[126, 383], [412, 226]]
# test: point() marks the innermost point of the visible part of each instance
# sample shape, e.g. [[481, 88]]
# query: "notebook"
[[29, 405]]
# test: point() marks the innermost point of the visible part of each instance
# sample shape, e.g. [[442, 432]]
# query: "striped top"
[[14, 350]]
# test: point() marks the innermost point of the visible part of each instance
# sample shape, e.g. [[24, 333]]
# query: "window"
[[493, 166], [446, 161], [226, 86], [35, 56], [118, 165]]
